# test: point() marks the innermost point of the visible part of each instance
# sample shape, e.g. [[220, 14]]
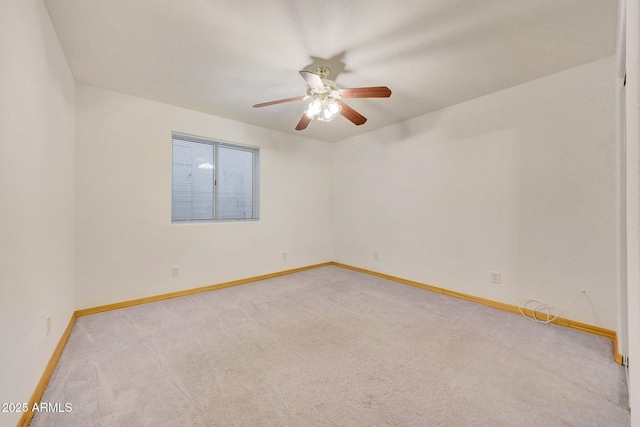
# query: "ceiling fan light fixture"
[[334, 107], [325, 104], [314, 108], [323, 109], [326, 116]]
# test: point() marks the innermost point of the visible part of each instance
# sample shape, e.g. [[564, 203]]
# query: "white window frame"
[[216, 204]]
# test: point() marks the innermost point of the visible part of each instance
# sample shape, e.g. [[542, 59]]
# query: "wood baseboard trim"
[[596, 330], [53, 361], [617, 356], [130, 303], [48, 372]]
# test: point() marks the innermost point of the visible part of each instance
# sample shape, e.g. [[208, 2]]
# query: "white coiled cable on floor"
[[539, 309]]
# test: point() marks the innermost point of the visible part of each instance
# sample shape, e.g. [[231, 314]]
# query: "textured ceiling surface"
[[221, 57]]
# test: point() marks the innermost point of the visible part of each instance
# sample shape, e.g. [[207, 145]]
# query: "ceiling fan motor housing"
[[322, 71]]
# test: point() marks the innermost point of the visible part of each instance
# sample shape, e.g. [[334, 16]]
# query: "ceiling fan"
[[326, 101]]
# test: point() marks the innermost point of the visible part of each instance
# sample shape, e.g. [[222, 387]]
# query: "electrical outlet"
[[375, 257], [175, 270], [495, 277], [284, 255], [48, 324]]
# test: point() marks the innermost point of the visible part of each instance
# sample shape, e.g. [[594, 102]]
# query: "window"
[[213, 180]]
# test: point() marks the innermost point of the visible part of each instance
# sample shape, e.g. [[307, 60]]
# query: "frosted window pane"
[[235, 183], [192, 180]]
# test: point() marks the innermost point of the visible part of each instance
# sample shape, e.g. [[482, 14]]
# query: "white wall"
[[37, 197], [126, 244], [523, 182], [632, 60]]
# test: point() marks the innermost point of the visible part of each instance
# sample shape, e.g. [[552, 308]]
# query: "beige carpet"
[[331, 347]]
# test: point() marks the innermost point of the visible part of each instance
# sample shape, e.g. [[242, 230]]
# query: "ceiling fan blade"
[[313, 80], [351, 114], [366, 92], [303, 123], [280, 101]]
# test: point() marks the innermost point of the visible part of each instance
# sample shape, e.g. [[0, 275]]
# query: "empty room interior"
[[319, 213]]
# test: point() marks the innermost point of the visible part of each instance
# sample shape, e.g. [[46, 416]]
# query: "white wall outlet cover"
[[495, 277]]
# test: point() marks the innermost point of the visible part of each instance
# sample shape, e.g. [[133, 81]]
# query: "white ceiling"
[[221, 57]]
